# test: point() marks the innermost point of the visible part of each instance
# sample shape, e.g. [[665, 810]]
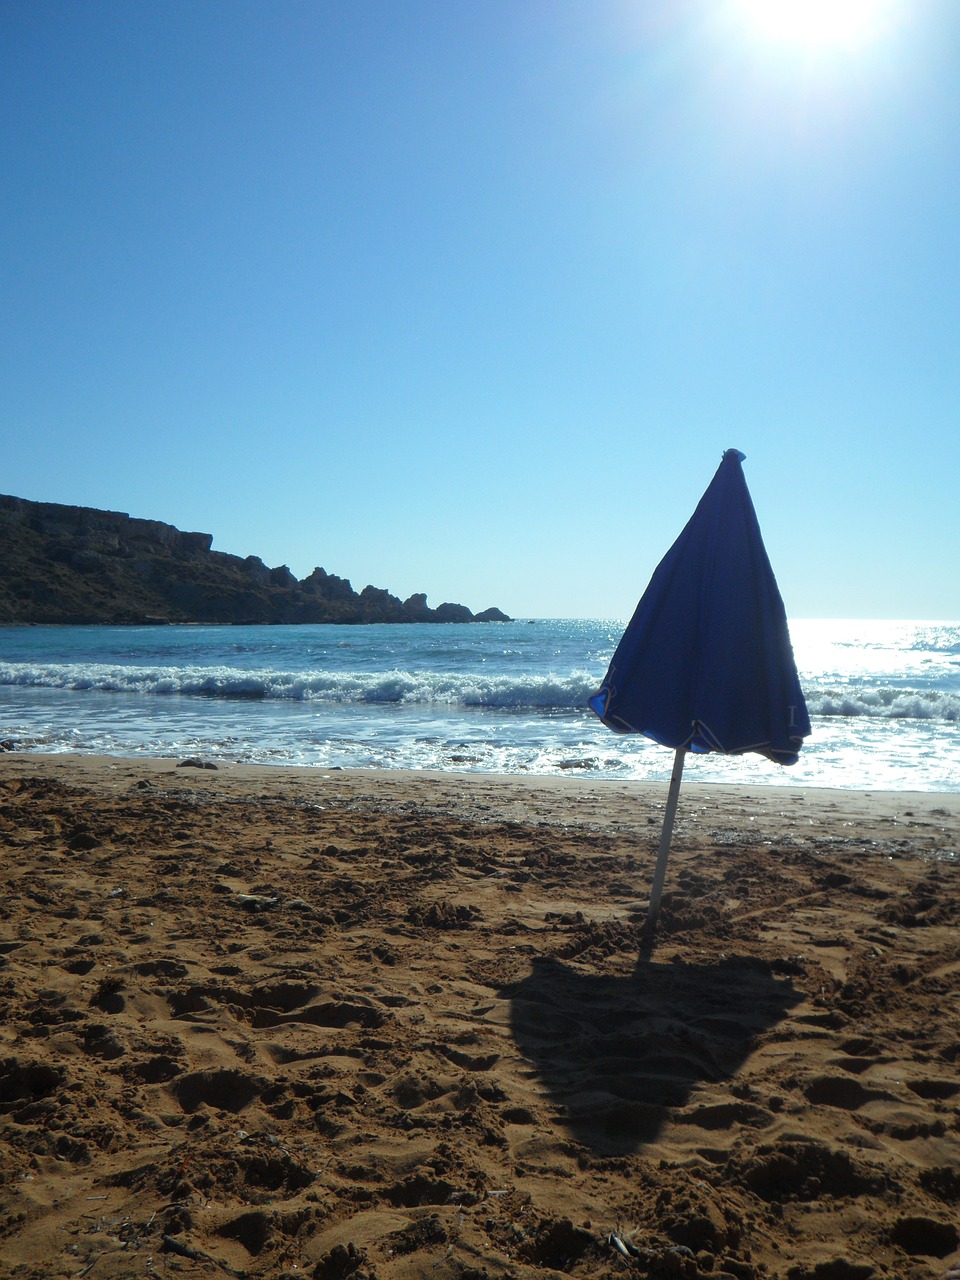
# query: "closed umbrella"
[[706, 662]]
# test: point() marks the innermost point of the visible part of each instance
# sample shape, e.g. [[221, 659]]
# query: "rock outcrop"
[[66, 565]]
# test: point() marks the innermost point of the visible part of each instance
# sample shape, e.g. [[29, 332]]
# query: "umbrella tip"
[[734, 453]]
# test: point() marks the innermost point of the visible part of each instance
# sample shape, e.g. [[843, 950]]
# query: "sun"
[[817, 23]]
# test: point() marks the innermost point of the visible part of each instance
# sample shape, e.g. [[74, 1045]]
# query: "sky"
[[470, 297]]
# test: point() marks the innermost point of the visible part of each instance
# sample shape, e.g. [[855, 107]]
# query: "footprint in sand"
[[224, 1090]]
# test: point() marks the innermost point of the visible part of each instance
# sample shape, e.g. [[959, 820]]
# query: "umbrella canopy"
[[706, 663]]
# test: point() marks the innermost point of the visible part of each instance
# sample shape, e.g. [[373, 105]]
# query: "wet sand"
[[280, 1022]]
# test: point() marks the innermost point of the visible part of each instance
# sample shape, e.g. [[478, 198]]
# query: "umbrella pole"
[[659, 875]]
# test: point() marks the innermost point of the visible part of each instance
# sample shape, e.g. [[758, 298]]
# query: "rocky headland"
[[78, 565]]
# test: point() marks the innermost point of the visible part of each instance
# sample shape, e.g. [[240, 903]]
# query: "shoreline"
[[544, 799], [291, 1021]]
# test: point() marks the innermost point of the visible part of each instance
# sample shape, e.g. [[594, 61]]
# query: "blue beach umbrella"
[[706, 662]]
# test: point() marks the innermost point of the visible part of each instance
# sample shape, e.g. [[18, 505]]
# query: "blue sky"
[[469, 298]]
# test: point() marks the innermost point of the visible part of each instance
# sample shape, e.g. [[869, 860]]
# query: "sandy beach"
[[281, 1022]]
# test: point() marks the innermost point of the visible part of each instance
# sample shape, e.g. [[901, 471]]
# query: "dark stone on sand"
[[78, 565]]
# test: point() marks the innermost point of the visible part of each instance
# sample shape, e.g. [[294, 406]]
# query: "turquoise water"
[[884, 699]]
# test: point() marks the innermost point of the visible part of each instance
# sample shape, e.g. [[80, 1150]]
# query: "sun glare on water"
[[817, 23]]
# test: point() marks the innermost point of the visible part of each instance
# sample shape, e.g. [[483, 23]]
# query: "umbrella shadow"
[[617, 1054]]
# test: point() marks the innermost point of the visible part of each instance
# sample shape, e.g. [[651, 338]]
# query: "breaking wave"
[[536, 691], [549, 692], [885, 703]]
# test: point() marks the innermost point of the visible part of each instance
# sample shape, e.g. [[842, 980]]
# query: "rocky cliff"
[[61, 564]]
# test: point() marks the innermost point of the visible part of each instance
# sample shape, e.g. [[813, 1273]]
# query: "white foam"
[[394, 686], [884, 699], [884, 703]]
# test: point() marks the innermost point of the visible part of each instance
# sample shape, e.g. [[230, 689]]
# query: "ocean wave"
[[545, 692], [534, 691], [885, 703]]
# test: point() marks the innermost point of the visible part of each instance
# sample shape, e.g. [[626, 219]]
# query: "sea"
[[507, 698]]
